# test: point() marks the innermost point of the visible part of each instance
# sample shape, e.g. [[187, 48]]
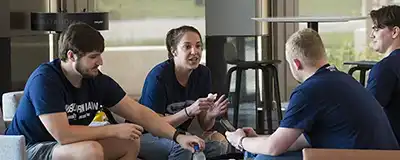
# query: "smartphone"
[[227, 125]]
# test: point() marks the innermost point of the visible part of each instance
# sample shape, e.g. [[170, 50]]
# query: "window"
[[137, 30], [344, 41], [146, 22]]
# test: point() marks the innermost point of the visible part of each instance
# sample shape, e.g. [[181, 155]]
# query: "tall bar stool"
[[270, 87], [362, 66]]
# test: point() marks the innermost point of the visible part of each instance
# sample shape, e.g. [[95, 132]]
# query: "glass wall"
[[146, 22], [137, 30], [143, 24], [344, 41]]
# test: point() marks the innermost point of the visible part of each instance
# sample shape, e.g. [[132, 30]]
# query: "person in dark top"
[[61, 98], [384, 77], [329, 109], [178, 89]]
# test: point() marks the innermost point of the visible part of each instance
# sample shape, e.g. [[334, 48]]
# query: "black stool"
[[362, 66], [270, 73]]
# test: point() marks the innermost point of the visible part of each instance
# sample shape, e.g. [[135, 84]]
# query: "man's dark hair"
[[80, 38], [387, 16]]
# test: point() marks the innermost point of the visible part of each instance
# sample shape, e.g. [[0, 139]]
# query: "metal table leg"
[[313, 25]]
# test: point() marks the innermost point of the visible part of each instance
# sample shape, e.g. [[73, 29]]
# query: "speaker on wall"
[[60, 21]]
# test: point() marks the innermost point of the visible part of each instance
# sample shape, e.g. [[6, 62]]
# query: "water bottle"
[[198, 155]]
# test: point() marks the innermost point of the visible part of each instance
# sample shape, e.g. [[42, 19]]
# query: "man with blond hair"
[[321, 109]]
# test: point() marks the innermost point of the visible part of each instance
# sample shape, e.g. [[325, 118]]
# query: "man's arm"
[[44, 93], [137, 113], [282, 140], [298, 118], [150, 120], [381, 83], [176, 119], [58, 126]]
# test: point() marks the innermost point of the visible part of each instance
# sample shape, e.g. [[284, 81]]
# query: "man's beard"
[[82, 71]]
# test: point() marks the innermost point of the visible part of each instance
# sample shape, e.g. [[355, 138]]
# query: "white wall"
[[130, 66], [230, 17]]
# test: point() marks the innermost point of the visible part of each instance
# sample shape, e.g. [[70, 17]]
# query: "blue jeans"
[[285, 156], [156, 148]]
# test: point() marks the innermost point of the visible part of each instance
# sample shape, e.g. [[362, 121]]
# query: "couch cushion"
[[12, 147], [10, 104]]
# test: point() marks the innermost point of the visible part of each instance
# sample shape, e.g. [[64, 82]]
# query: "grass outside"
[[337, 39], [330, 7], [340, 49]]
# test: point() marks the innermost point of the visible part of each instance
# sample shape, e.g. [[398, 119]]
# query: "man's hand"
[[250, 132], [127, 131], [201, 104], [188, 142], [219, 107], [234, 137]]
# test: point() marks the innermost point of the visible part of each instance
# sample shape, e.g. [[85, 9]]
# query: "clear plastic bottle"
[[198, 155]]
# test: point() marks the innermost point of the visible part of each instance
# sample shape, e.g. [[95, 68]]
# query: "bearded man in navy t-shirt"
[[62, 97]]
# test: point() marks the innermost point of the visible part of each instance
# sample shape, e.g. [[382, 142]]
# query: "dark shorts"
[[41, 151]]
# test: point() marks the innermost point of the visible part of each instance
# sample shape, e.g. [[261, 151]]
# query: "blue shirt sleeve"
[[45, 94], [300, 113], [112, 91], [381, 82], [154, 94]]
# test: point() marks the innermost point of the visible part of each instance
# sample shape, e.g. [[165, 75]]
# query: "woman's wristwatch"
[[178, 132]]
